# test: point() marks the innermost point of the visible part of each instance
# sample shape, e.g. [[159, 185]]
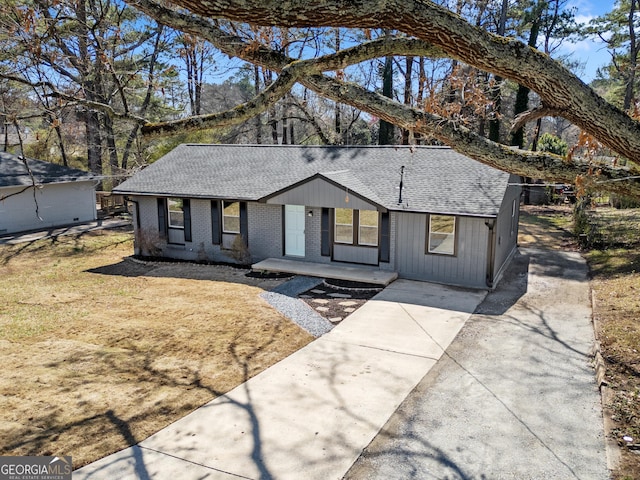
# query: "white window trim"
[[377, 227], [169, 210], [452, 235], [224, 227], [336, 224]]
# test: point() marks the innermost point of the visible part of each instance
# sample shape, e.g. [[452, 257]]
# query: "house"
[[427, 213], [61, 195]]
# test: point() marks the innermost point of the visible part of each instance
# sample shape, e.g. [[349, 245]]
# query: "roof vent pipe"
[[401, 184]]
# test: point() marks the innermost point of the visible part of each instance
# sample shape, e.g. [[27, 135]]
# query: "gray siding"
[[467, 268], [507, 229], [355, 254], [319, 192]]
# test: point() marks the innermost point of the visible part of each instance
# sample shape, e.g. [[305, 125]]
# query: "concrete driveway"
[[514, 397], [310, 415]]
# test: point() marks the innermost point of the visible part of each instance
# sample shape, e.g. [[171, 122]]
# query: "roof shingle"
[[13, 172], [436, 179]]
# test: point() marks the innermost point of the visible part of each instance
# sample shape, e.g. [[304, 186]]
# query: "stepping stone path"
[[334, 304], [339, 295]]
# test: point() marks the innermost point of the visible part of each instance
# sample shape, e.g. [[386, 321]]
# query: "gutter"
[[136, 247], [137, 204]]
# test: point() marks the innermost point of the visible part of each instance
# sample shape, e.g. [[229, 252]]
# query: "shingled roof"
[[436, 179], [13, 172]]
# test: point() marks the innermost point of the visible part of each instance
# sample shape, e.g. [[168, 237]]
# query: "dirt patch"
[[546, 227], [99, 351]]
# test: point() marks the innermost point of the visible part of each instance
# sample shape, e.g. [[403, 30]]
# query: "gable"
[[318, 190]]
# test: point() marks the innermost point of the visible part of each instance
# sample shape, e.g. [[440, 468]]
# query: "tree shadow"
[[73, 244], [413, 442], [54, 425]]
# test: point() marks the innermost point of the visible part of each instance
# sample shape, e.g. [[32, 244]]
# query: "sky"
[[591, 51]]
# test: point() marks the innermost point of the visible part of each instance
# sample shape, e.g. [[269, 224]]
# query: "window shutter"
[[162, 217], [215, 222], [186, 209], [325, 233], [244, 224], [385, 237]]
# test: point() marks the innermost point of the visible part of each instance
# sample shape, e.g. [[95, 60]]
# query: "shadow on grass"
[[51, 428], [65, 245], [611, 262]]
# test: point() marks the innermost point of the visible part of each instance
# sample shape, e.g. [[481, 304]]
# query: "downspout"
[[137, 229], [491, 251]]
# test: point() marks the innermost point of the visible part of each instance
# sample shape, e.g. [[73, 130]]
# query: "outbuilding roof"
[[14, 173], [434, 179]]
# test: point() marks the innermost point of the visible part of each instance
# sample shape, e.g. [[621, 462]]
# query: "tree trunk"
[[94, 141], [408, 88], [386, 133], [258, 119], [522, 97], [63, 152], [633, 58]]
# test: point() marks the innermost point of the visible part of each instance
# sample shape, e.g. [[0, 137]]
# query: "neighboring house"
[[427, 213], [61, 195]]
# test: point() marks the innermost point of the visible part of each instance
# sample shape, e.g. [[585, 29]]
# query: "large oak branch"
[[558, 88], [530, 164]]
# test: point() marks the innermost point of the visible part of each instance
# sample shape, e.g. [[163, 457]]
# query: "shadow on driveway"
[[514, 396]]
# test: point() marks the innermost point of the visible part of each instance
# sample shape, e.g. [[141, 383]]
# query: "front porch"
[[359, 273]]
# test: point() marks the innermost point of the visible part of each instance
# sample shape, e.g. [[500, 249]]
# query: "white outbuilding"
[[36, 194]]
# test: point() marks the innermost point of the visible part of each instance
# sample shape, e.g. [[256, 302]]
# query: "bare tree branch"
[[532, 115], [528, 164], [558, 88], [73, 99]]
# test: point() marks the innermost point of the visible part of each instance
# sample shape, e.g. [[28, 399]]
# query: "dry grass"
[[615, 268], [614, 263], [99, 352], [546, 227]]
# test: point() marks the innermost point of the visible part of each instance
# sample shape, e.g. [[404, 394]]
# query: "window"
[[176, 212], [363, 222], [368, 227], [442, 234], [231, 217], [344, 225]]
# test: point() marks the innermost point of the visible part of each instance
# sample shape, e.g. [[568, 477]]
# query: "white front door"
[[294, 218]]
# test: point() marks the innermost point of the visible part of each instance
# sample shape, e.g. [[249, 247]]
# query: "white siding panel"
[[57, 204]]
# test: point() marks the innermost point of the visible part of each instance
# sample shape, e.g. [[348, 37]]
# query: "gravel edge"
[[284, 298]]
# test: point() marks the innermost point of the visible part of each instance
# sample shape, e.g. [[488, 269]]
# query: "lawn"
[[100, 351], [614, 264]]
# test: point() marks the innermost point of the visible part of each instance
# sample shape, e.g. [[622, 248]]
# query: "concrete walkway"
[[515, 395], [310, 415], [339, 271]]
